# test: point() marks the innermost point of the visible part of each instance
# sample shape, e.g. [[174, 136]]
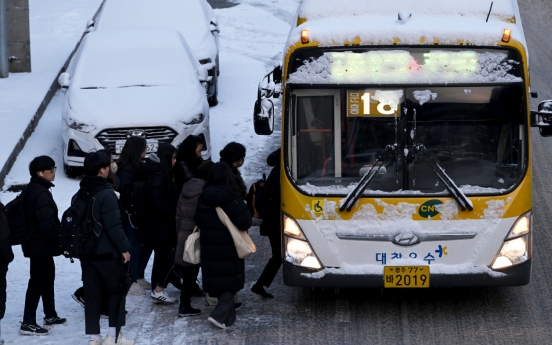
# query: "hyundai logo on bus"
[[429, 208], [136, 133]]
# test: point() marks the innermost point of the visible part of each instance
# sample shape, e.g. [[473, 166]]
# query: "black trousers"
[[96, 276], [189, 286], [162, 265], [273, 265], [3, 286], [41, 285], [225, 311]]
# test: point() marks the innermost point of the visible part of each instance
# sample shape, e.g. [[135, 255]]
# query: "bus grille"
[[108, 137]]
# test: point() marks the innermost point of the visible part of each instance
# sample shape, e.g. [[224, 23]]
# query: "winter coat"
[[271, 196], [43, 224], [185, 211], [221, 268], [161, 200], [127, 176], [6, 253], [112, 241]]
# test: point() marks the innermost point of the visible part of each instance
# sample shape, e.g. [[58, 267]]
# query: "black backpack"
[[255, 199], [77, 236], [19, 231]]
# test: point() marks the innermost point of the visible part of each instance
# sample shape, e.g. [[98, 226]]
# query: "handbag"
[[244, 245], [192, 249]]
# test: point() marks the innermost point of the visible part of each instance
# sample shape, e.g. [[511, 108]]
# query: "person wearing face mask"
[[42, 245], [188, 159], [160, 212]]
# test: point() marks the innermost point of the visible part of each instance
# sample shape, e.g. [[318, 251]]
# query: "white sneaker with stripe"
[[162, 297]]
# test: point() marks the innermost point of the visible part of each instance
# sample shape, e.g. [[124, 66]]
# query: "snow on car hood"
[[172, 105]]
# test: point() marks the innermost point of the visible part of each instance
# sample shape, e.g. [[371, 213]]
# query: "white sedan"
[[194, 19], [131, 82]]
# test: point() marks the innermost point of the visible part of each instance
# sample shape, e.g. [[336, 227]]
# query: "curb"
[[39, 112]]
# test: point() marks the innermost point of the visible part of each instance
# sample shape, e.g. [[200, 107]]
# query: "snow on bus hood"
[[137, 106]]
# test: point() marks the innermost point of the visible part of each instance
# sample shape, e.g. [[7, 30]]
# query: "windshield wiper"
[[355, 194], [120, 87], [449, 184]]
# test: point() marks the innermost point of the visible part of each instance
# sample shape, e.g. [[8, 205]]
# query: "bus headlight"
[[298, 251], [517, 245]]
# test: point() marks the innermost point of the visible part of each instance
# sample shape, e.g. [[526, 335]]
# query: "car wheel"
[[213, 100], [71, 171]]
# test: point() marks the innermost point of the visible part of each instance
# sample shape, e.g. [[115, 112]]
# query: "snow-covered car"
[[131, 82], [194, 19]]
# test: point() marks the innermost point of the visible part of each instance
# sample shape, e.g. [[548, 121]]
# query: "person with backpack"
[[42, 244], [233, 154], [6, 256], [185, 225], [159, 218], [103, 268], [128, 172], [223, 272], [267, 204], [188, 159]]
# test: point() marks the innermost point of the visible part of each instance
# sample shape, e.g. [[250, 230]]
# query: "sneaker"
[[162, 297], [30, 329], [144, 284], [95, 341], [53, 321], [136, 290], [259, 290], [238, 305], [121, 340], [78, 299], [188, 311], [216, 323]]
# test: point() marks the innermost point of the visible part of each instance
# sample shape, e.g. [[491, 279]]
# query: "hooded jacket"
[[43, 224], [185, 211], [221, 268], [112, 241]]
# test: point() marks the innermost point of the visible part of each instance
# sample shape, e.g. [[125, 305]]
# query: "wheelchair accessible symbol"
[[318, 206]]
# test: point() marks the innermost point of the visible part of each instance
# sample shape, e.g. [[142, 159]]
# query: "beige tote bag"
[[192, 249], [244, 245]]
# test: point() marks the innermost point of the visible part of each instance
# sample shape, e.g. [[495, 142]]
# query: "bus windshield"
[[477, 134]]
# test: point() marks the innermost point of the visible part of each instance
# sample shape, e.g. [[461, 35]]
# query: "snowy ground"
[[252, 37]]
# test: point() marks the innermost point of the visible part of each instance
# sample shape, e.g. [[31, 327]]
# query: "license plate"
[[406, 277], [151, 145]]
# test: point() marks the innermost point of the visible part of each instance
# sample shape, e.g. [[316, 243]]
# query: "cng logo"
[[429, 208]]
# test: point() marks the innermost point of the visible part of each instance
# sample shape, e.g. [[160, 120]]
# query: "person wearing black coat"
[[271, 225], [42, 245], [233, 154], [104, 269], [188, 159], [6, 256], [223, 272], [160, 223]]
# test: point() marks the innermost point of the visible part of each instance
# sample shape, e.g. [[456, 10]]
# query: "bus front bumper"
[[515, 275]]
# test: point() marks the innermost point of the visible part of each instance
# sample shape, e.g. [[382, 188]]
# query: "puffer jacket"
[[112, 241], [185, 211], [272, 217], [127, 176], [42, 214], [6, 253], [222, 269]]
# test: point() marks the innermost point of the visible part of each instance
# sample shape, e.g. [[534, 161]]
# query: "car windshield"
[[475, 133]]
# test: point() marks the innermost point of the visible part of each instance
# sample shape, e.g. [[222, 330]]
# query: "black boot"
[[259, 290]]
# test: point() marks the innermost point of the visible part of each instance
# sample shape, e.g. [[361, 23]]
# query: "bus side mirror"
[[263, 117], [542, 118]]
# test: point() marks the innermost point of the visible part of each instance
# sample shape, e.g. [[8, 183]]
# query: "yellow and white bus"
[[406, 156]]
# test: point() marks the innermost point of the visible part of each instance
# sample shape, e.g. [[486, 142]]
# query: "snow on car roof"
[[190, 17], [137, 56], [332, 22]]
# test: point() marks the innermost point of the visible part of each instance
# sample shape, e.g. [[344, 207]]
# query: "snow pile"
[[424, 96], [399, 67], [345, 190]]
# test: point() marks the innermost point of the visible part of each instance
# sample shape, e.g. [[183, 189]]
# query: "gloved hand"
[[256, 221]]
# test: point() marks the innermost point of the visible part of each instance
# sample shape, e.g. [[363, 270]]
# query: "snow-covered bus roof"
[[366, 22]]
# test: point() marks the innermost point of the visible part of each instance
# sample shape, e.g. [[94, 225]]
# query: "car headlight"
[[516, 248], [195, 120], [298, 250], [81, 127]]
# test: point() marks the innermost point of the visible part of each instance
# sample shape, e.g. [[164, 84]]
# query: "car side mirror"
[[263, 116], [64, 80], [542, 118]]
